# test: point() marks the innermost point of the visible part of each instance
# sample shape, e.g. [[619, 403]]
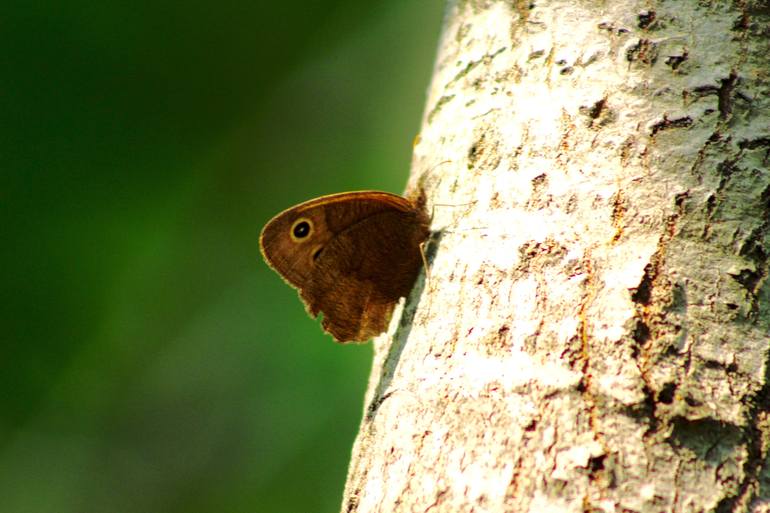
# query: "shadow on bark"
[[401, 335]]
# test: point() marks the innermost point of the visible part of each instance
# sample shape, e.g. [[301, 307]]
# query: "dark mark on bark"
[[742, 22], [666, 394], [726, 93], [647, 408], [376, 403], [596, 463], [595, 110], [703, 90], [725, 169], [711, 203], [353, 501], [641, 333], [674, 61], [646, 18], [539, 182], [753, 144], [644, 51], [535, 54], [643, 291], [667, 124], [609, 27]]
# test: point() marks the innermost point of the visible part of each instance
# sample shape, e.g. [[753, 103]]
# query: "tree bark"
[[594, 333]]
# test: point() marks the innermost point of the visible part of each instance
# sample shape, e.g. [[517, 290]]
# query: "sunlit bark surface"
[[594, 333]]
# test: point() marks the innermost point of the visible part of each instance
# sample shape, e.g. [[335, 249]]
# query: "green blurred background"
[[151, 362]]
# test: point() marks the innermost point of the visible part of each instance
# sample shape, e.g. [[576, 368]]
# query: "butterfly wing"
[[361, 255], [329, 215], [363, 272]]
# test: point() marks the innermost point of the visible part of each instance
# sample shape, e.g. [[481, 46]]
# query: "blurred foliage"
[[151, 362]]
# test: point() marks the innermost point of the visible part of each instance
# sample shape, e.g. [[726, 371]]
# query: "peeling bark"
[[594, 335]]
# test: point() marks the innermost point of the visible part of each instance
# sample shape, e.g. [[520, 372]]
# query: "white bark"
[[594, 333]]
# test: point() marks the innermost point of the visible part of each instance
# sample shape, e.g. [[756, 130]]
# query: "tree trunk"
[[594, 333]]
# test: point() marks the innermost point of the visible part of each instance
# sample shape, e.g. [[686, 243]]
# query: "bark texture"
[[594, 333]]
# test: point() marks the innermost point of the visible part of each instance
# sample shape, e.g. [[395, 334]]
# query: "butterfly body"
[[351, 256]]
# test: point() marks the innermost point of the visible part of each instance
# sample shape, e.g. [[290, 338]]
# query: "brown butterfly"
[[351, 256]]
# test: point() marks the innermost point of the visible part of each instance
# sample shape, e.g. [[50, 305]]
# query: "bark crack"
[[596, 466], [668, 124], [754, 436], [647, 320]]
